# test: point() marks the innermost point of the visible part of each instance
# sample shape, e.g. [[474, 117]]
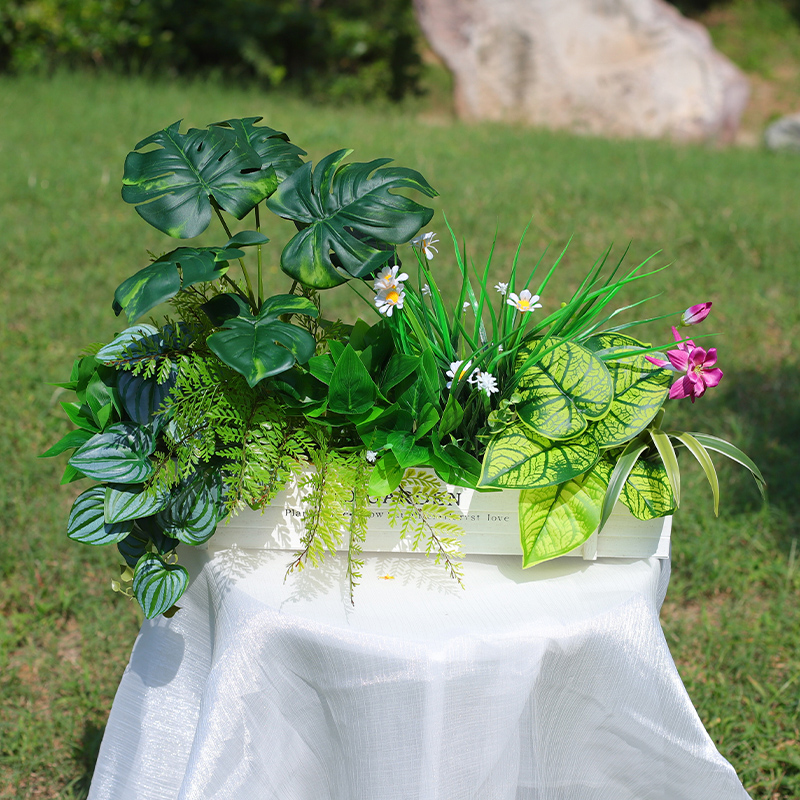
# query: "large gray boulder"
[[611, 67]]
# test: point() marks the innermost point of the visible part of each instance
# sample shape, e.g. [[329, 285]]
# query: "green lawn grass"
[[727, 219]]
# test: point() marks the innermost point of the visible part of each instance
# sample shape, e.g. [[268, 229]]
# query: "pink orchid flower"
[[697, 363], [695, 314]]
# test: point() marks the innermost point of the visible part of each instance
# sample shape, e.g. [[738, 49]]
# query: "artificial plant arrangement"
[[241, 392]]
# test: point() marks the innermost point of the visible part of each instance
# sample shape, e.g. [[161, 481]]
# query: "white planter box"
[[490, 522]]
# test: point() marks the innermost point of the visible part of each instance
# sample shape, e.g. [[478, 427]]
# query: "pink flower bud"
[[695, 314]]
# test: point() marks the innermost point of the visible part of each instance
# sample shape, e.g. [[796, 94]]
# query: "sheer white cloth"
[[553, 683]]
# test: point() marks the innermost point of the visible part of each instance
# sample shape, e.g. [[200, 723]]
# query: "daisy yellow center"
[[393, 296], [523, 304]]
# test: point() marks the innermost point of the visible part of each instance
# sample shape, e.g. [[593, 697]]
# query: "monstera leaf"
[[273, 147], [165, 277], [565, 389], [556, 519], [640, 389], [517, 458], [348, 216], [173, 185], [258, 347]]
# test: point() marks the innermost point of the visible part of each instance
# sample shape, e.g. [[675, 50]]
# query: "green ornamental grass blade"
[[165, 277], [173, 185], [647, 492], [131, 501], [347, 213], [670, 460], [157, 585], [701, 454], [87, 523], [640, 389], [735, 454], [619, 475], [554, 520], [352, 390], [120, 454], [565, 389], [517, 458]]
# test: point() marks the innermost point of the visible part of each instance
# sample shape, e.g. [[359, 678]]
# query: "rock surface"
[[784, 134], [610, 67]]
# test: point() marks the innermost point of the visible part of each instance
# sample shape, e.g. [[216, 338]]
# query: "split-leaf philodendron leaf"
[[640, 389], [258, 347], [553, 520], [565, 389], [173, 185], [517, 458], [165, 277], [340, 208]]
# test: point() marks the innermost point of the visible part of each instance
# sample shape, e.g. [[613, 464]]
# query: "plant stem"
[[258, 251], [250, 296]]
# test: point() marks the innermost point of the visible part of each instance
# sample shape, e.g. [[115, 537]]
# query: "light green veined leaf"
[[701, 454], [554, 520], [647, 491], [565, 389], [87, 522], [385, 476], [157, 585], [516, 458], [120, 454], [640, 389]]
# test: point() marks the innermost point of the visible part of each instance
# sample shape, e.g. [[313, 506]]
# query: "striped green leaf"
[[553, 520], [517, 458], [647, 492], [157, 585], [565, 389], [87, 523], [193, 511], [735, 454], [670, 460], [120, 454], [142, 397], [704, 459], [640, 388], [625, 463], [124, 502]]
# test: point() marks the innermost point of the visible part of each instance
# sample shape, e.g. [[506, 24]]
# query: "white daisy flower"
[[426, 290], [372, 456], [525, 302], [458, 369], [426, 242], [389, 279], [486, 382], [388, 299], [501, 287], [467, 305]]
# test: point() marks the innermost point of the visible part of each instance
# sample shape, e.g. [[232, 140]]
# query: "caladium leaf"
[[640, 389], [157, 585], [348, 217], [273, 147], [553, 520], [165, 277], [565, 389], [647, 492], [173, 186], [120, 454], [87, 522], [517, 458], [258, 347]]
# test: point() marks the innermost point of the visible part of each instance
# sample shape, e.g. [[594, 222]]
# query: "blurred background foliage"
[[339, 48]]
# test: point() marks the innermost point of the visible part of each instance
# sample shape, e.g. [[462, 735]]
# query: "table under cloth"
[[551, 683]]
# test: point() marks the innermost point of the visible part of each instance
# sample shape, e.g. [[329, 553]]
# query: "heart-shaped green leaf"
[[193, 512], [517, 458], [157, 585], [120, 454], [172, 186], [129, 502], [647, 492], [165, 277], [553, 520], [565, 389], [258, 347], [640, 389], [87, 523], [349, 218]]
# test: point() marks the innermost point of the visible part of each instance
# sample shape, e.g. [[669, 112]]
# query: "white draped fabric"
[[553, 683]]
